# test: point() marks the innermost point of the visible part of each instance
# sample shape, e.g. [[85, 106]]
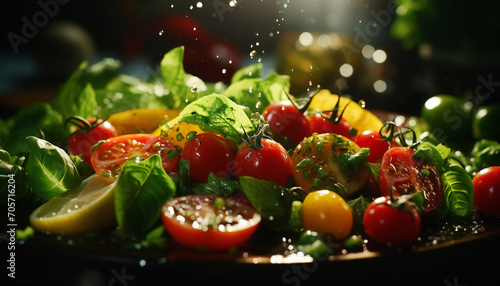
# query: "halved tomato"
[[407, 175], [108, 158], [209, 222]]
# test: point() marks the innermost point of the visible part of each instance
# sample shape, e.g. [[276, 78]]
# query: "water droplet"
[[259, 60], [233, 3], [252, 54], [224, 71], [230, 61], [199, 5], [310, 83], [161, 32], [362, 103], [194, 88]]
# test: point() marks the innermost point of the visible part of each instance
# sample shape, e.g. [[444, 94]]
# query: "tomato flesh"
[[487, 191], [194, 221], [389, 225], [406, 175], [270, 163], [108, 158]]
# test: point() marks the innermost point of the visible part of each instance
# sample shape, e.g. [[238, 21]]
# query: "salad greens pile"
[[33, 143]]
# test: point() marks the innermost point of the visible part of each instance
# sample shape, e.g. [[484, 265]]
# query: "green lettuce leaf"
[[257, 93], [141, 190], [67, 100], [38, 120], [50, 170], [219, 114]]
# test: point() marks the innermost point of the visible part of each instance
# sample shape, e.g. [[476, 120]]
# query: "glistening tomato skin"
[[321, 125], [188, 219], [372, 139], [388, 225], [82, 143], [487, 191], [326, 211], [208, 153], [406, 175], [271, 162], [108, 158], [285, 119]]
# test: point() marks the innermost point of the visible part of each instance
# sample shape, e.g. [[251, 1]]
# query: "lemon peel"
[[88, 207]]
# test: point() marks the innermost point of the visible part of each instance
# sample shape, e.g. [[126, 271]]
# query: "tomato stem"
[[82, 124]]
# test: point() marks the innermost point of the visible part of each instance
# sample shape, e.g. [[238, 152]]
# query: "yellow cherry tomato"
[[327, 212]]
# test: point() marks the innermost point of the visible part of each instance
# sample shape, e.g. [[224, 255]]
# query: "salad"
[[173, 160]]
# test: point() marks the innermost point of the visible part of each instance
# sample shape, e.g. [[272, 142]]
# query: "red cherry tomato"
[[487, 191], [109, 157], [270, 163], [285, 119], [372, 139], [406, 175], [321, 125], [210, 222], [208, 153], [84, 138], [387, 224]]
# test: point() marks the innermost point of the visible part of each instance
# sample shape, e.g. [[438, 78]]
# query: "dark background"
[[130, 30]]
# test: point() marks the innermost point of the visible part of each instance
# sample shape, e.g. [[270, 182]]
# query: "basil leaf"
[[13, 178], [358, 207], [458, 190], [219, 114], [434, 154], [273, 202], [352, 162], [51, 171], [216, 186], [141, 190]]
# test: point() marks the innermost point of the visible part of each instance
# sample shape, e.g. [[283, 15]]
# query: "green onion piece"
[[302, 164], [425, 172], [179, 136], [318, 183], [219, 203], [306, 173], [191, 135]]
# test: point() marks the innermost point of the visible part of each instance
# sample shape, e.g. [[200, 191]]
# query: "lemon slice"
[[359, 118], [90, 206]]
